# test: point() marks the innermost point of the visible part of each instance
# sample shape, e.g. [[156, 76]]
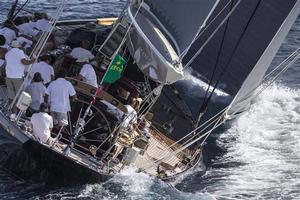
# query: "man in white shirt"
[[37, 92], [130, 118], [16, 61], [25, 26], [44, 68], [58, 95], [41, 21], [82, 52], [88, 75], [24, 41], [42, 124], [8, 33]]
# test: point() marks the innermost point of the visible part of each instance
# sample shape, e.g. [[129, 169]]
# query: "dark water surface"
[[258, 157]]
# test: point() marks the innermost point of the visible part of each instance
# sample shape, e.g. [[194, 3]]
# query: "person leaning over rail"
[[42, 124], [58, 94], [41, 21], [26, 27], [16, 61]]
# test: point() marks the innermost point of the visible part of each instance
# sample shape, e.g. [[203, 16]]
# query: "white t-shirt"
[[37, 92], [24, 42], [81, 53], [14, 67], [45, 70], [42, 24], [130, 117], [9, 34], [27, 29], [59, 92], [113, 110], [88, 72], [41, 125]]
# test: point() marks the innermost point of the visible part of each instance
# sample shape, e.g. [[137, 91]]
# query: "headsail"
[[239, 54], [161, 31]]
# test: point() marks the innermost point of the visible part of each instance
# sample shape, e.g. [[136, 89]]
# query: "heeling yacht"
[[142, 55]]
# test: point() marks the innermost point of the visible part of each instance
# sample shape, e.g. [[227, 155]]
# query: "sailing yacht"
[[143, 54]]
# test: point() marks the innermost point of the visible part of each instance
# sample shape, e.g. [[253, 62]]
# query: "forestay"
[[239, 54], [163, 30]]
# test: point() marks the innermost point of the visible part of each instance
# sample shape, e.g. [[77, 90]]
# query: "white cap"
[[15, 44], [81, 60]]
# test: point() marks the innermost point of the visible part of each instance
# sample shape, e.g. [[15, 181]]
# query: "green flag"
[[115, 70]]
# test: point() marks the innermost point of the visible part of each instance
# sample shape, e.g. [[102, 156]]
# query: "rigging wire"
[[203, 107], [290, 60], [20, 8], [140, 113], [212, 34], [12, 10], [39, 47], [224, 70], [181, 56]]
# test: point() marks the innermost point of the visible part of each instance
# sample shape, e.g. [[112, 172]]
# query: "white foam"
[[198, 82], [129, 184], [266, 141]]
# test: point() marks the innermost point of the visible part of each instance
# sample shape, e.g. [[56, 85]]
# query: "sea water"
[[257, 157]]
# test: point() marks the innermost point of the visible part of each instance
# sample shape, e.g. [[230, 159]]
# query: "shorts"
[[13, 86], [60, 118]]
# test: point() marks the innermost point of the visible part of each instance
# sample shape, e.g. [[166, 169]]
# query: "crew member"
[[42, 124], [37, 92], [58, 94], [8, 32], [16, 61], [87, 73], [41, 21], [83, 52], [26, 27], [131, 115], [44, 68]]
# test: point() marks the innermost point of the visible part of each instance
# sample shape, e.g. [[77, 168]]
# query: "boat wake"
[[197, 88], [132, 185], [262, 150]]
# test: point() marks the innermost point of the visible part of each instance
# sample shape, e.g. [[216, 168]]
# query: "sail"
[[161, 31], [239, 54], [183, 19]]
